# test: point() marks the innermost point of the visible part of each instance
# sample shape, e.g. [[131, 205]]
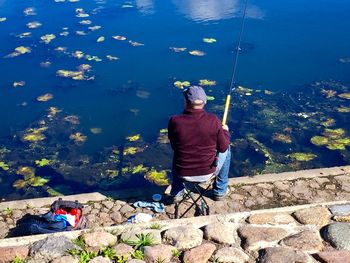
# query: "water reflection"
[[145, 6], [207, 10]]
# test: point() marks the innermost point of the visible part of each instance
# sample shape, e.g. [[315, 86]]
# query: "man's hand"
[[225, 127]]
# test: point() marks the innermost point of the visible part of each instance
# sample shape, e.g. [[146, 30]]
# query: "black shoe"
[[222, 197]]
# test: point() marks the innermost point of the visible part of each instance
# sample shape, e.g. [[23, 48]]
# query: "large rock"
[[284, 255], [341, 256], [123, 250], [338, 235], [162, 253], [51, 247], [7, 254], [307, 240], [183, 237], [319, 216], [255, 238], [231, 255], [271, 219], [65, 259], [200, 254], [99, 240], [223, 233], [154, 234]]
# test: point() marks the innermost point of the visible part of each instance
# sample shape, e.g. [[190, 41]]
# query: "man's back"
[[195, 137]]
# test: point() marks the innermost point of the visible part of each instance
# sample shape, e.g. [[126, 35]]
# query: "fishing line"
[[232, 86]]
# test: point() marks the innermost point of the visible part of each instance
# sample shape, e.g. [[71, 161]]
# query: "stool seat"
[[201, 205]]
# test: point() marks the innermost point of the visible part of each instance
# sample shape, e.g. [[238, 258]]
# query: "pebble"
[[231, 255]]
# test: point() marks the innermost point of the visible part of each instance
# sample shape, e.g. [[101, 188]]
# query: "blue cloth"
[[221, 178], [61, 218], [155, 206]]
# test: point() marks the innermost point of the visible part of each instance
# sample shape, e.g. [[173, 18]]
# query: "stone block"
[[199, 254], [307, 240], [183, 237], [8, 254], [319, 216], [255, 238], [271, 219]]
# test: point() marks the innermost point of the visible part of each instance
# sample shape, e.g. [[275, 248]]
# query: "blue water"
[[286, 45]]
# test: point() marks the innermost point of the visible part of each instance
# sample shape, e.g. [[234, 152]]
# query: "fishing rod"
[[232, 82]]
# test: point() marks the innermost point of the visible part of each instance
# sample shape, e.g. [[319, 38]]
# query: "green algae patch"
[[37, 181], [139, 169], [132, 150], [29, 178], [34, 135], [19, 184], [182, 84], [284, 138], [96, 130], [334, 133], [328, 123], [319, 140], [45, 97], [42, 162], [21, 50], [47, 38], [4, 166], [100, 39], [26, 172], [197, 53], [302, 157], [209, 40], [78, 137], [52, 192], [343, 109], [207, 82], [159, 178], [133, 138], [335, 146], [345, 96]]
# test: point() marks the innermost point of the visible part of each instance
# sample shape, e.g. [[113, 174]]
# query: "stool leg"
[[176, 210]]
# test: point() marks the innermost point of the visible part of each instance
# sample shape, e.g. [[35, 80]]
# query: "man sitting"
[[201, 146]]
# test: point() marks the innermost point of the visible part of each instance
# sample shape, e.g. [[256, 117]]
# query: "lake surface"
[[295, 57]]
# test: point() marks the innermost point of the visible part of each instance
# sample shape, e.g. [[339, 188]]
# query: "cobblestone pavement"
[[242, 198], [309, 234]]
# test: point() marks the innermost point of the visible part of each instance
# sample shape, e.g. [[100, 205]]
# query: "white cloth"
[[198, 178]]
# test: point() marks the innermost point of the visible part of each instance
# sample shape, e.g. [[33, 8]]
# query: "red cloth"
[[195, 137], [72, 211]]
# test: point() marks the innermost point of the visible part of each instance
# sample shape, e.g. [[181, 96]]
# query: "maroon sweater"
[[195, 137]]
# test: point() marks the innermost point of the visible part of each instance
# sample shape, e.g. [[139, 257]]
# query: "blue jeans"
[[221, 178]]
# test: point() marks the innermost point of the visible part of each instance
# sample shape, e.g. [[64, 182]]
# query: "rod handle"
[[227, 105]]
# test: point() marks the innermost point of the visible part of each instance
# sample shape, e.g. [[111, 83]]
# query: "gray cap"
[[194, 93]]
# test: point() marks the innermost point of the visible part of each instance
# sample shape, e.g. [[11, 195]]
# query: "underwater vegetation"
[[270, 131]]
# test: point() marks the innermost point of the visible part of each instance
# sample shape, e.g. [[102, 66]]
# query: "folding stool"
[[201, 205]]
